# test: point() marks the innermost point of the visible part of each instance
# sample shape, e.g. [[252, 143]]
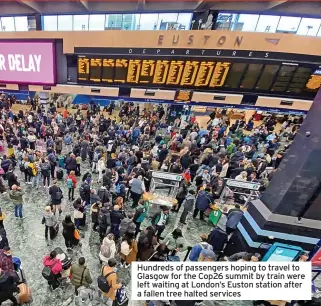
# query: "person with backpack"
[[108, 282], [53, 162], [203, 201], [56, 196], [97, 156], [127, 225], [45, 171], [8, 287], [120, 190], [52, 270], [84, 191], [71, 185], [68, 143], [107, 248], [197, 249], [104, 221], [104, 195], [49, 220], [80, 275]]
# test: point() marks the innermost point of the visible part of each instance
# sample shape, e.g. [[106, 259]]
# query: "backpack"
[[96, 157], [67, 140], [70, 183], [22, 168], [102, 281], [121, 296], [105, 250], [82, 192], [118, 188], [47, 273]]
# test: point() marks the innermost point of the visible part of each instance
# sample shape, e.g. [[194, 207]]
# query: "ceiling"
[[289, 7]]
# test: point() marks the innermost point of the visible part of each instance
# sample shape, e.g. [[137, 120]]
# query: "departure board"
[[234, 78], [204, 74], [189, 73], [314, 81], [83, 68], [283, 78], [251, 75], [147, 71], [108, 70], [211, 73], [175, 72], [267, 77], [95, 69], [219, 74], [161, 71], [121, 68]]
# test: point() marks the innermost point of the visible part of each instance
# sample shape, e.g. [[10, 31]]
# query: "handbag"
[[76, 234]]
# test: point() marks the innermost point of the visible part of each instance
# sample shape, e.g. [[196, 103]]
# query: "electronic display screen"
[[230, 74]]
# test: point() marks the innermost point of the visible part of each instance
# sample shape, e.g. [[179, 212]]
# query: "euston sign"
[[27, 62]]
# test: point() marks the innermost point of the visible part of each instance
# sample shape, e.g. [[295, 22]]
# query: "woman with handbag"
[[49, 220]]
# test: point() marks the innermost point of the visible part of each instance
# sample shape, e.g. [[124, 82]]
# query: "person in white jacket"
[[107, 249], [100, 168]]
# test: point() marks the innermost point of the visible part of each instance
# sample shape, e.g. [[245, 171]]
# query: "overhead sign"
[[242, 184], [27, 62], [167, 176]]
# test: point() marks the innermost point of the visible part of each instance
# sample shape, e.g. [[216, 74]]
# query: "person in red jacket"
[[55, 266], [71, 184]]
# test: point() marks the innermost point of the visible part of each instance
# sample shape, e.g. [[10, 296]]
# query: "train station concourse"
[[156, 131]]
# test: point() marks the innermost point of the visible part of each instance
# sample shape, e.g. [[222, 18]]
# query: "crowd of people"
[[49, 148]]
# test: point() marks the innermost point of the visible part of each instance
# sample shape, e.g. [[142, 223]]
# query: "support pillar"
[[290, 208], [44, 100]]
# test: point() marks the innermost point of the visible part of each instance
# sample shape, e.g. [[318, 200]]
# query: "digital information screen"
[[232, 74]]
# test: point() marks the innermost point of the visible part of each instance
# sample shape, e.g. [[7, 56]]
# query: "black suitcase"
[[60, 174]]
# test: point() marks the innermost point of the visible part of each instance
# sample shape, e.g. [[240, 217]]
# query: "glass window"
[[7, 24], [148, 21], [50, 23], [65, 23], [97, 22], [184, 21], [225, 20], [267, 23], [309, 26], [81, 22], [245, 23], [167, 21], [130, 21], [288, 24], [21, 23], [114, 21]]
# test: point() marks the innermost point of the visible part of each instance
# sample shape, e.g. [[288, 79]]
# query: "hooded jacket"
[[126, 225], [54, 264], [203, 201], [108, 247], [16, 196], [104, 218], [50, 218]]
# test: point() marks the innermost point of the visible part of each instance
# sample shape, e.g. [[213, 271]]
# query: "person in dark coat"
[[115, 217], [84, 149], [6, 163], [68, 232], [218, 236], [12, 178], [186, 160], [84, 191], [56, 196], [104, 222], [181, 195], [71, 164], [203, 202], [233, 218], [24, 143]]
